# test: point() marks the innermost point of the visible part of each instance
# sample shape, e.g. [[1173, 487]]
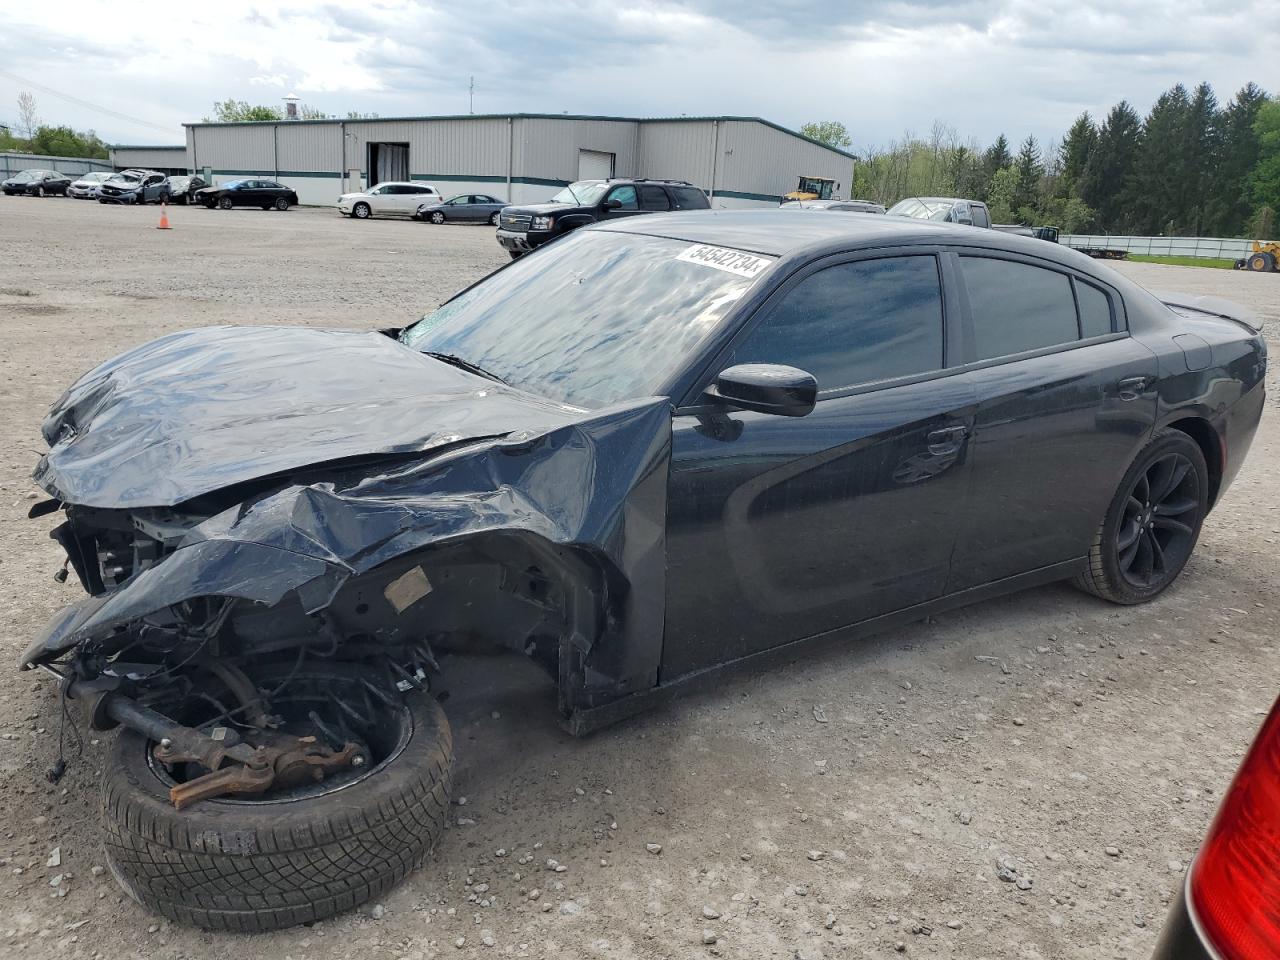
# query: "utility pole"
[[471, 96]]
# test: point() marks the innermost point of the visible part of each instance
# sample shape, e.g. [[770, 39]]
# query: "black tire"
[[361, 211], [40, 192], [515, 254], [1262, 262], [247, 867], [1130, 567], [224, 203], [494, 218], [281, 204], [437, 217]]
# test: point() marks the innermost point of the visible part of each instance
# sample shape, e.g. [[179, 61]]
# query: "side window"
[[690, 198], [1017, 306], [855, 323], [627, 195], [654, 198], [270, 185], [1095, 310], [980, 218]]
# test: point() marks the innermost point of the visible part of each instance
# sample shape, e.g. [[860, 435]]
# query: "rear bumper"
[[1181, 938]]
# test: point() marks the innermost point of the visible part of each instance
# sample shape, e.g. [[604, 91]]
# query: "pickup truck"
[[523, 228], [972, 213]]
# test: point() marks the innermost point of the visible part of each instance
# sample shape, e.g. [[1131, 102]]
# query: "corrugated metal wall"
[[757, 160], [677, 150], [754, 163], [149, 158]]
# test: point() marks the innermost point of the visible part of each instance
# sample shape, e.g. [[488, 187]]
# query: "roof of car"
[[778, 233]]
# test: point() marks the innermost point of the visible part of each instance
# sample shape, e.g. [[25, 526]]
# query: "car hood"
[[203, 410], [543, 209], [121, 184], [353, 196]]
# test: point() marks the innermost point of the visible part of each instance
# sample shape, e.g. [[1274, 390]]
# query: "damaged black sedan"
[[652, 449]]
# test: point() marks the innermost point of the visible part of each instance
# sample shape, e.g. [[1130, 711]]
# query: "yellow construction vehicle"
[[1264, 259], [812, 188]]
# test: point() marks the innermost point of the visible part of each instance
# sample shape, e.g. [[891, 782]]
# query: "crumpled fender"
[[598, 485]]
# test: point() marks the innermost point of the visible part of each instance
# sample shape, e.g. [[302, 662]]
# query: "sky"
[[135, 72]]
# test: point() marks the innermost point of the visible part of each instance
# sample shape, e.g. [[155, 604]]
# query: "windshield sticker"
[[730, 261]]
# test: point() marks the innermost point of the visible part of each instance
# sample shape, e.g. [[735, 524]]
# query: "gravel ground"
[[1043, 728]]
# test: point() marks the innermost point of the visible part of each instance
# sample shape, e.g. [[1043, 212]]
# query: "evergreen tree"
[[994, 160], [1075, 152], [1264, 180], [1229, 209], [1026, 193], [1152, 197], [1110, 168]]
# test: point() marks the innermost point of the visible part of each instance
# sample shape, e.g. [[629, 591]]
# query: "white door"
[[594, 165]]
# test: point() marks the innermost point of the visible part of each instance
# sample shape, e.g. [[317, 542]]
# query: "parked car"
[[1228, 907], [134, 186], [527, 227], [973, 213], [37, 183], [183, 188], [844, 206], [86, 188], [266, 194], [464, 208], [657, 447], [391, 199]]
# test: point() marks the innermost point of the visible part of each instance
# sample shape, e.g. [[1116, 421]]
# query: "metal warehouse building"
[[739, 161], [161, 159]]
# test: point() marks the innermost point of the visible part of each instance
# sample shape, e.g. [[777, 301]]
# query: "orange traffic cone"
[[164, 218]]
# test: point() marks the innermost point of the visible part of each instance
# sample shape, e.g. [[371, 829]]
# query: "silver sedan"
[[464, 208]]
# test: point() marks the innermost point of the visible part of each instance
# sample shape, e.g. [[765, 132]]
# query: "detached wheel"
[[224, 203], [1152, 524], [255, 863], [361, 211]]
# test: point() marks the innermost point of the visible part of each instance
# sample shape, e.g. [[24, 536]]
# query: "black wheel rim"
[[1158, 527]]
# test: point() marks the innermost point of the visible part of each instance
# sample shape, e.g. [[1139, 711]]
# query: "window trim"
[[693, 397], [1119, 319]]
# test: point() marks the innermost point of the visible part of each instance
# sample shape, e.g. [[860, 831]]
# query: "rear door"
[[1065, 401], [780, 528], [654, 199]]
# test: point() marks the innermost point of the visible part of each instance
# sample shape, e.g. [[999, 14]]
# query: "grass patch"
[[1184, 261]]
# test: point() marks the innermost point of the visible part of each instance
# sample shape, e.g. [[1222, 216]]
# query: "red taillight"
[[1235, 882]]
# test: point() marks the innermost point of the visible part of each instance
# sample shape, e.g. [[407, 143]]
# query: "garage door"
[[594, 165]]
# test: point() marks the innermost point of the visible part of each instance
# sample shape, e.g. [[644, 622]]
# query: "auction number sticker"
[[723, 258]]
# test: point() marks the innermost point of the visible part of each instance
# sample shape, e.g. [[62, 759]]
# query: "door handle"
[[946, 440], [1130, 388]]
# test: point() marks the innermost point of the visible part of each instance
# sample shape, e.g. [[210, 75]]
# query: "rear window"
[[654, 198], [1017, 306], [689, 198]]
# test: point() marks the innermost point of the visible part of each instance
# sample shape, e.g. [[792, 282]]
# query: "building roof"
[[146, 146], [527, 116]]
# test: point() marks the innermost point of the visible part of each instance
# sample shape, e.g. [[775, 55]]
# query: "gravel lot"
[[1043, 728]]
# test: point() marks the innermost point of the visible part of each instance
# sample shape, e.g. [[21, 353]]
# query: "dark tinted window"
[[270, 185], [1095, 310], [628, 197], [980, 218], [1017, 307], [689, 198], [654, 198], [855, 323]]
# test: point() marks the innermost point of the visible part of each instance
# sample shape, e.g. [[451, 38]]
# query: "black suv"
[[520, 229]]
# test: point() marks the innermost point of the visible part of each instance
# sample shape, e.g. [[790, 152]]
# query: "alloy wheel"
[[1158, 527]]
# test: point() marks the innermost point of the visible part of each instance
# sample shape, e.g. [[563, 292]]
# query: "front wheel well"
[[1210, 445]]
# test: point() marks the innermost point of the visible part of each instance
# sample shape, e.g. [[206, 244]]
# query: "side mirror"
[[767, 388], [613, 203]]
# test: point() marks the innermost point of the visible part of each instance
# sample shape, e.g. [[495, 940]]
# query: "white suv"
[[391, 199]]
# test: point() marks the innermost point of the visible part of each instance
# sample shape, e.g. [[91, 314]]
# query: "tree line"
[[31, 135], [1191, 167]]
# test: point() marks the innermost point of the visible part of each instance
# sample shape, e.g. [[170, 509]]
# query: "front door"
[[627, 199], [1064, 404], [782, 528]]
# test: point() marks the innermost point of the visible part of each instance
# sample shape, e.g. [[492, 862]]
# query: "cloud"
[[880, 66]]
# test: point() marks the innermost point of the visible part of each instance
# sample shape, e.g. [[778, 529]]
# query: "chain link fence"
[[11, 163]]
